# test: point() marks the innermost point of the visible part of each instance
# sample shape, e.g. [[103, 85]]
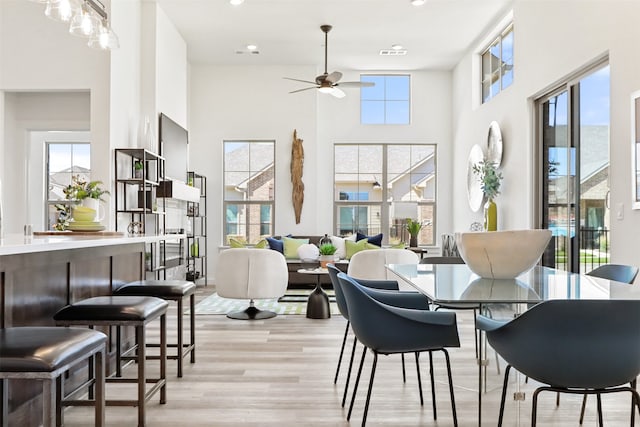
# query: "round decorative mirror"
[[494, 144], [474, 186]]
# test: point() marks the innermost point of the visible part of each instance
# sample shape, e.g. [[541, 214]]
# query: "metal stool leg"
[[192, 332], [180, 347]]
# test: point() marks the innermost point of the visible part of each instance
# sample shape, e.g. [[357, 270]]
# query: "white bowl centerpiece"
[[502, 254]]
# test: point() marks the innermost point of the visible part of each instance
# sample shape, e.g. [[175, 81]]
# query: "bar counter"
[[41, 274]]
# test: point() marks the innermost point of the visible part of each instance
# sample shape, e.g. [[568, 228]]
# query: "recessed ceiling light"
[[252, 47], [396, 46], [418, 2], [236, 2]]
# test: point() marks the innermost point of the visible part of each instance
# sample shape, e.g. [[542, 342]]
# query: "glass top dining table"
[[451, 284]]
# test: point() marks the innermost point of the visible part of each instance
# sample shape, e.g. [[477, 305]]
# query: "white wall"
[[48, 59], [553, 39], [237, 102]]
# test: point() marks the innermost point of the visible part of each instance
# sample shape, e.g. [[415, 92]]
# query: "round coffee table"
[[318, 302]]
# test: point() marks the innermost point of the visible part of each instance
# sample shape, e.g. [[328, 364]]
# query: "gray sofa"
[[299, 280]]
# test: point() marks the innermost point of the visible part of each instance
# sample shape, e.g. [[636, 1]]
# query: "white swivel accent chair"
[[370, 264], [248, 273]]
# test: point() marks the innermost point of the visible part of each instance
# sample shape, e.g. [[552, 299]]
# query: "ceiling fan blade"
[[357, 84], [306, 88], [298, 80], [334, 77], [338, 93]]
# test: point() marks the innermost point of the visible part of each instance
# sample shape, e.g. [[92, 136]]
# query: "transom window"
[[249, 190], [378, 186], [387, 102], [497, 64]]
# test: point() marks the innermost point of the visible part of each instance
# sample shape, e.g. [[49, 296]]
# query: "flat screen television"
[[174, 147]]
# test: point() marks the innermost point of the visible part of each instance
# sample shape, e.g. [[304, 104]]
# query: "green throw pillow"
[[353, 248], [291, 246], [262, 244], [235, 243]]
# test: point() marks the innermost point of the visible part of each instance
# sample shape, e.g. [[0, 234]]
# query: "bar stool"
[[173, 290], [45, 353], [121, 311]]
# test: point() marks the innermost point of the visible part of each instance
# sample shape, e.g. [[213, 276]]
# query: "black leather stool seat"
[[173, 290], [113, 308], [45, 349], [45, 354], [121, 311], [169, 289]]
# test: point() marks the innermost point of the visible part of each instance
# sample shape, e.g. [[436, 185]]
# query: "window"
[[64, 160], [497, 65], [385, 103], [249, 185], [370, 180]]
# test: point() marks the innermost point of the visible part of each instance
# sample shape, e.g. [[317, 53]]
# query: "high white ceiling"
[[287, 32]]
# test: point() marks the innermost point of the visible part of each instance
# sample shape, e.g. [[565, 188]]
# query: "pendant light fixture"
[[86, 18]]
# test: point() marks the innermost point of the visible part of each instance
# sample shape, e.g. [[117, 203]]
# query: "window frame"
[[386, 101], [49, 205], [270, 202], [506, 31], [384, 204]]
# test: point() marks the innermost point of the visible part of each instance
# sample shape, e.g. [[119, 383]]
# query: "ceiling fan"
[[328, 83]]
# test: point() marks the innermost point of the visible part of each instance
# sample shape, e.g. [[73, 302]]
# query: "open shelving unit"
[[197, 235], [139, 173]]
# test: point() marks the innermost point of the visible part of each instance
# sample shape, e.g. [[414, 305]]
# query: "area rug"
[[214, 304]]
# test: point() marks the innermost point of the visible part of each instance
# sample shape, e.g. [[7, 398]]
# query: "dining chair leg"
[[355, 386], [373, 373], [584, 405], [534, 408], [346, 384], [419, 379], [475, 328], [634, 402], [433, 386], [344, 341], [599, 399], [453, 399], [404, 374], [504, 394]]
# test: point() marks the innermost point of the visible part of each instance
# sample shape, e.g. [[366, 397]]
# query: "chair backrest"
[[618, 272], [337, 287], [370, 264], [442, 260], [387, 329], [574, 343], [248, 273]]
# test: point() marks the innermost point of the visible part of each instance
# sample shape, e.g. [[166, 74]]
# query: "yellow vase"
[[490, 216]]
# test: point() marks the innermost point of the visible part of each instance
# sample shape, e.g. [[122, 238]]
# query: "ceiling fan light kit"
[[328, 83]]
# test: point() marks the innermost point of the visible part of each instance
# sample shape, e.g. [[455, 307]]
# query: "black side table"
[[318, 302]]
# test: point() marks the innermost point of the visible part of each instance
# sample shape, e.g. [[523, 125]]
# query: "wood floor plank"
[[279, 372]]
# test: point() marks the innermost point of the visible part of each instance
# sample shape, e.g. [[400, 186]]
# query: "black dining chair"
[[620, 273], [385, 329], [573, 346], [394, 297]]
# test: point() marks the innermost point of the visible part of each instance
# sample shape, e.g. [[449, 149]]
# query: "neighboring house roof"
[[242, 165]]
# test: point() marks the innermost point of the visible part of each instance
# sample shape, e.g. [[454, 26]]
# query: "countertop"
[[13, 244]]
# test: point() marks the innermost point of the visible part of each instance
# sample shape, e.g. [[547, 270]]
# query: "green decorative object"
[[490, 216], [490, 178]]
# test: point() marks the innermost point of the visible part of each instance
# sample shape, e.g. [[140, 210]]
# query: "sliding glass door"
[[574, 169]]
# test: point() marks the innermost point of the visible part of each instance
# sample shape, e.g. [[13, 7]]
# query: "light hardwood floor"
[[279, 372]]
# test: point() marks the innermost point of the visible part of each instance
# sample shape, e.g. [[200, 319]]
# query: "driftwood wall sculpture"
[[297, 162]]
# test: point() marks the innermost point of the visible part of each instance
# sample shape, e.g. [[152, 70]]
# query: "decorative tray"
[[78, 233]]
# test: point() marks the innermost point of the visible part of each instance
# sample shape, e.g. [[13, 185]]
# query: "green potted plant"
[[88, 193], [413, 227], [138, 166], [490, 179], [327, 254]]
